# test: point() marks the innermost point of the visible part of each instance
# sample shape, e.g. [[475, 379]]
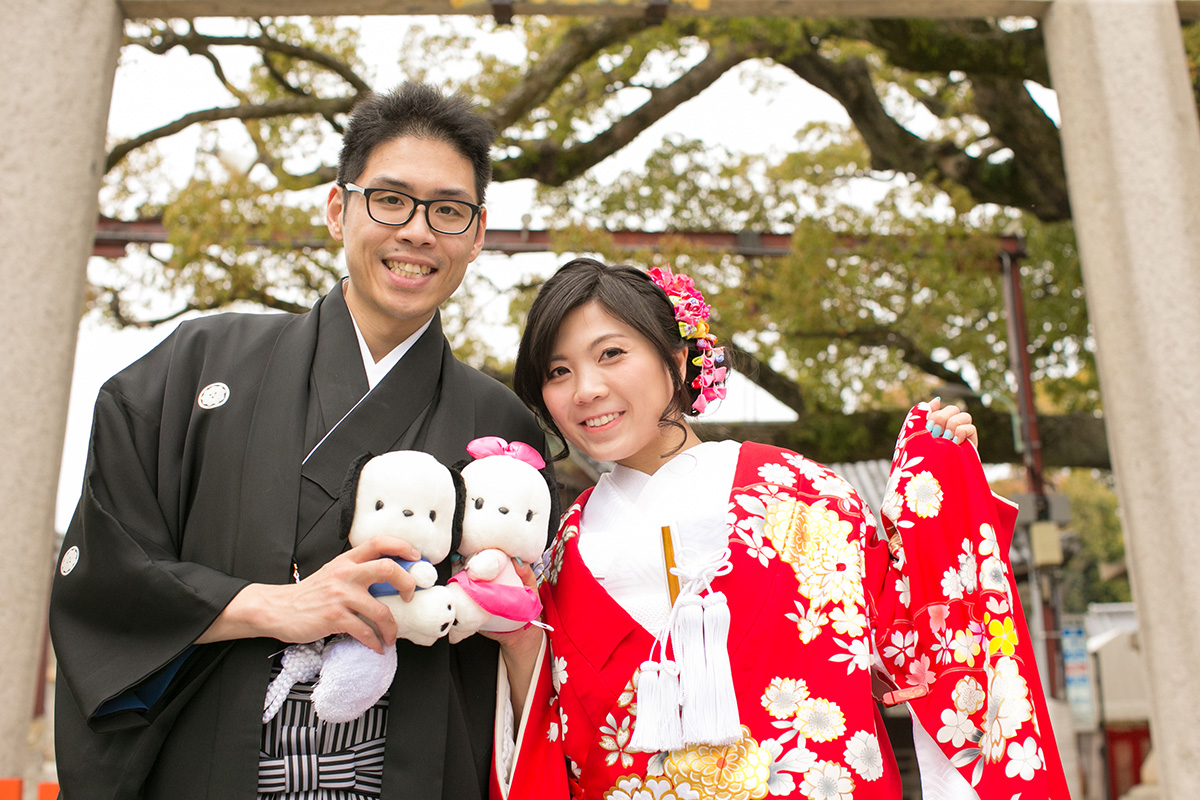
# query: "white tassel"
[[687, 638], [722, 701], [301, 663], [671, 731], [657, 726]]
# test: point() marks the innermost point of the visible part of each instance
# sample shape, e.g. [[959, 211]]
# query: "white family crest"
[[213, 396], [69, 560]]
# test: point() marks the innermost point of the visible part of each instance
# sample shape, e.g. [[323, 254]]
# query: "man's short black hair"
[[422, 111]]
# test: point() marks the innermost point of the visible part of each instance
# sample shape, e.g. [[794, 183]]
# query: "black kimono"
[[194, 488]]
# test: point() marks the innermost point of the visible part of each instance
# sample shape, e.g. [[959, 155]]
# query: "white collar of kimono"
[[619, 533], [376, 370], [692, 485]]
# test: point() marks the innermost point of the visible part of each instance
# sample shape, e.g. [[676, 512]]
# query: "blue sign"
[[1078, 670]]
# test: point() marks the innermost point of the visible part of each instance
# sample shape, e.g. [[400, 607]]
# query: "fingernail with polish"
[[519, 562], [937, 431], [948, 435]]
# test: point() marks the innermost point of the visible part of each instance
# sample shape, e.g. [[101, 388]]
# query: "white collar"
[[674, 490], [376, 370]]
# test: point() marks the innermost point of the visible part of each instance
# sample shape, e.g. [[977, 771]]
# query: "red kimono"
[[819, 601]]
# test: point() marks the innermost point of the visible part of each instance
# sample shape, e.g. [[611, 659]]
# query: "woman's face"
[[606, 389]]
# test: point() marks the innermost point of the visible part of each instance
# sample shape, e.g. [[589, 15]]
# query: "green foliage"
[[1191, 46], [892, 284], [1098, 549], [875, 303], [684, 185], [1060, 341], [233, 240]]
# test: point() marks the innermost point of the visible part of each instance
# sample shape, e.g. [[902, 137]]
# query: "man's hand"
[[334, 599], [951, 422]]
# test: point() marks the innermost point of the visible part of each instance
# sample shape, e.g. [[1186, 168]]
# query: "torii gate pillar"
[[1131, 141], [57, 62]]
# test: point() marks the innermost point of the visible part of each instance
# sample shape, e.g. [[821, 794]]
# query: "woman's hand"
[[951, 422], [520, 649]]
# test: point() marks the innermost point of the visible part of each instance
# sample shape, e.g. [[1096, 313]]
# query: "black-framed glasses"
[[393, 207]]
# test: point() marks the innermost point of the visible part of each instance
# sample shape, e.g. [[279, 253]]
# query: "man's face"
[[400, 275]]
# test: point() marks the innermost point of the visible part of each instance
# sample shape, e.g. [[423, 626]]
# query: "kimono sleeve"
[[536, 769], [951, 632], [124, 608]]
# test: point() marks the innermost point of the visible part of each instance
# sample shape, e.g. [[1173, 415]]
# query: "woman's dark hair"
[[628, 294]]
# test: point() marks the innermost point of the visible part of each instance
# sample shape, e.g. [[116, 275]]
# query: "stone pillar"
[[56, 72], [1132, 146]]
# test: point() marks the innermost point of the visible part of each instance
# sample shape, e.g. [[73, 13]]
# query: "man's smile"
[[407, 269]]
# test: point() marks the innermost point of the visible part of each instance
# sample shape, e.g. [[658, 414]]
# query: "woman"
[[718, 611]]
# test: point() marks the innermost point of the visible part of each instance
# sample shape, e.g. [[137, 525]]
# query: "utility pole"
[[1044, 617]]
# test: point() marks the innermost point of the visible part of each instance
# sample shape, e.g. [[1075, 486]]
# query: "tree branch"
[[1035, 177], [901, 344], [579, 45], [553, 165], [1018, 122], [281, 79], [892, 146], [198, 43], [275, 108], [976, 46], [779, 386]]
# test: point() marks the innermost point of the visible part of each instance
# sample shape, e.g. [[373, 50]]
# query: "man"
[[206, 535]]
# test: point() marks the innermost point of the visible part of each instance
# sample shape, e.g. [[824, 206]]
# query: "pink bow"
[[495, 446]]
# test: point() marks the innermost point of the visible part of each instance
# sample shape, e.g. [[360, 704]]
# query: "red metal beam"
[[112, 237]]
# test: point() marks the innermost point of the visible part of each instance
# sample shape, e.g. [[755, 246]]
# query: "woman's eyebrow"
[[591, 345], [605, 337]]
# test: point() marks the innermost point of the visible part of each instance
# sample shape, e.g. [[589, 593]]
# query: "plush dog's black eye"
[[433, 516], [529, 516], [408, 512], [478, 503], [378, 504]]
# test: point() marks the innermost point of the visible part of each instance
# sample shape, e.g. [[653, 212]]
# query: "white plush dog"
[[508, 512], [410, 495]]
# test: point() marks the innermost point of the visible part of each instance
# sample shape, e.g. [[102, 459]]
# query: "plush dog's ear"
[[460, 507], [349, 494], [555, 502]]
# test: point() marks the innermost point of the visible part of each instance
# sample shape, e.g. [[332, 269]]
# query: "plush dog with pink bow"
[[499, 506], [410, 495], [509, 513]]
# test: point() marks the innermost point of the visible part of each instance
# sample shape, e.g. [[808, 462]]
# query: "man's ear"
[[334, 208], [480, 229]]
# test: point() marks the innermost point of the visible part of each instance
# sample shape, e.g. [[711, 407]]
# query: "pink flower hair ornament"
[[692, 313]]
